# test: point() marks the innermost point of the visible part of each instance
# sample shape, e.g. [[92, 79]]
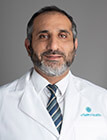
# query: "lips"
[[53, 57]]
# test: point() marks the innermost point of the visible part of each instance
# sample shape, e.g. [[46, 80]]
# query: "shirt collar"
[[40, 82], [62, 84]]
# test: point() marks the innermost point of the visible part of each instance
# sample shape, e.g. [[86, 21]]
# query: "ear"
[[76, 43], [27, 45]]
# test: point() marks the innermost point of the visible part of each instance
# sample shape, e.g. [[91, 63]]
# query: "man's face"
[[52, 47]]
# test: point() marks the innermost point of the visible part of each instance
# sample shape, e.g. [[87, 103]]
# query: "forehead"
[[52, 20]]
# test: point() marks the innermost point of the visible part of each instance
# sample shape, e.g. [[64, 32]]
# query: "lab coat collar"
[[31, 105]]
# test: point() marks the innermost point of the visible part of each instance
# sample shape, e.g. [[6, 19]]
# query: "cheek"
[[68, 49], [38, 48]]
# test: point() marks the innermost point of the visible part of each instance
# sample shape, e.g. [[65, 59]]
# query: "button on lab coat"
[[24, 117]]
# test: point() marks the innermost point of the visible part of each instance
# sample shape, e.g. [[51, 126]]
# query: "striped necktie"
[[53, 107]]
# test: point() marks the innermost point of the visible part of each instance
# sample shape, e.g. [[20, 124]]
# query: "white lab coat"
[[24, 117]]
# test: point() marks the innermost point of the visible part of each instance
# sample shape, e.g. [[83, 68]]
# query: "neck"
[[52, 79]]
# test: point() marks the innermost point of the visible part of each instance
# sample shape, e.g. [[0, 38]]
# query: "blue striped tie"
[[53, 108]]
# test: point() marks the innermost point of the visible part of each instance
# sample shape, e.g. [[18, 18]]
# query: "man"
[[49, 102]]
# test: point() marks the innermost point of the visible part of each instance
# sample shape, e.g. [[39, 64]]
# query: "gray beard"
[[50, 70]]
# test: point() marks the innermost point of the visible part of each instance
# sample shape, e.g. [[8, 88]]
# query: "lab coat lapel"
[[72, 100], [31, 105]]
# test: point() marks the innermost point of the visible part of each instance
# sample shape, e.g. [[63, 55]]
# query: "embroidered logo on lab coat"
[[89, 113]]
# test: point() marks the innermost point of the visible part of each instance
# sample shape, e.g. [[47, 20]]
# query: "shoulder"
[[14, 86], [8, 87], [17, 84], [86, 86], [5, 90]]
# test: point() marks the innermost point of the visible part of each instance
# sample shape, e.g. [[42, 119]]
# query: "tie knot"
[[52, 88]]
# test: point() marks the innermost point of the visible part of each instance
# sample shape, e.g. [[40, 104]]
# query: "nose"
[[53, 43]]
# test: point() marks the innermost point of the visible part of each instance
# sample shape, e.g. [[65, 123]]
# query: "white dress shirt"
[[40, 84]]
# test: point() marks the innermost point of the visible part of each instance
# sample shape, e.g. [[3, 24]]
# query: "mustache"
[[49, 52]]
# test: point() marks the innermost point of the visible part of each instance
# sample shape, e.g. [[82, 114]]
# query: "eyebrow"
[[65, 31], [46, 31], [43, 31]]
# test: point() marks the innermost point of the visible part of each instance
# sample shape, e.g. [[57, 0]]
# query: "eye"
[[43, 36], [63, 36]]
